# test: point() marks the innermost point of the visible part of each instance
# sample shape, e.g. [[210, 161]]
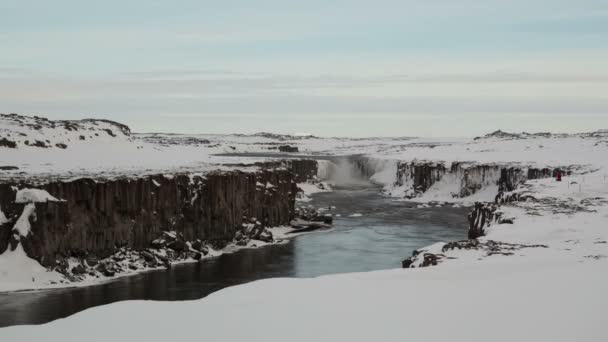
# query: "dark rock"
[[429, 260], [110, 133], [482, 215], [60, 145], [159, 243], [163, 258], [288, 149], [118, 258], [36, 143], [147, 256], [7, 143], [196, 255], [198, 245], [106, 269], [78, 270], [218, 244], [92, 261], [177, 245], [8, 168], [265, 236]]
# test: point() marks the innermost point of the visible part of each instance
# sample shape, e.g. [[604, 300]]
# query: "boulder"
[[197, 245], [147, 256], [178, 245], [78, 270], [92, 261], [265, 236]]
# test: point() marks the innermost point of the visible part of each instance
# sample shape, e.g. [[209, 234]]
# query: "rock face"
[[303, 170], [419, 177], [482, 216], [98, 217]]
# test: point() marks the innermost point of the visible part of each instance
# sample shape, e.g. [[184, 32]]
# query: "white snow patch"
[[22, 226], [33, 195], [18, 271]]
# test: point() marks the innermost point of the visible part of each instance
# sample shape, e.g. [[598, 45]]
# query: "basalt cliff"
[[177, 215]]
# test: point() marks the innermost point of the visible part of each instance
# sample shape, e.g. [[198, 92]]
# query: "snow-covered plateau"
[[536, 268]]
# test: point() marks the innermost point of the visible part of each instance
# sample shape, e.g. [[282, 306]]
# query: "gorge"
[[172, 217]]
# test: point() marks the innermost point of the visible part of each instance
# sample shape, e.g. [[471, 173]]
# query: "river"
[[373, 232]]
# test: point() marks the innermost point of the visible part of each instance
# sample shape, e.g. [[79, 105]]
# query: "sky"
[[330, 68]]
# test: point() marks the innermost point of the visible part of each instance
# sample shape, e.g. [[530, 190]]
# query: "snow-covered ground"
[[536, 301], [123, 152], [542, 278]]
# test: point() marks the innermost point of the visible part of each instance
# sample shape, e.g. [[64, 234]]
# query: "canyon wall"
[[98, 216], [463, 179]]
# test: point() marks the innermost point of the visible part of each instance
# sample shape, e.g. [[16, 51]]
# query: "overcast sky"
[[333, 68]]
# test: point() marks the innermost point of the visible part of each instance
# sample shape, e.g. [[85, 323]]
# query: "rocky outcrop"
[[424, 258], [288, 149], [419, 176], [100, 217], [482, 216], [302, 169]]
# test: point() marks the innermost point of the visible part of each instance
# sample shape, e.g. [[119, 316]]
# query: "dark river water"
[[384, 234]]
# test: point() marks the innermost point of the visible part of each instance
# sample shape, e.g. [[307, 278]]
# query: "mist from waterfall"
[[343, 172]]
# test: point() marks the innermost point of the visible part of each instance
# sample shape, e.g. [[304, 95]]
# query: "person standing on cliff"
[[558, 175]]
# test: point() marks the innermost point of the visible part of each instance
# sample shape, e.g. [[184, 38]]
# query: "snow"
[[22, 226], [475, 303], [137, 154], [17, 270], [33, 195], [311, 188]]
